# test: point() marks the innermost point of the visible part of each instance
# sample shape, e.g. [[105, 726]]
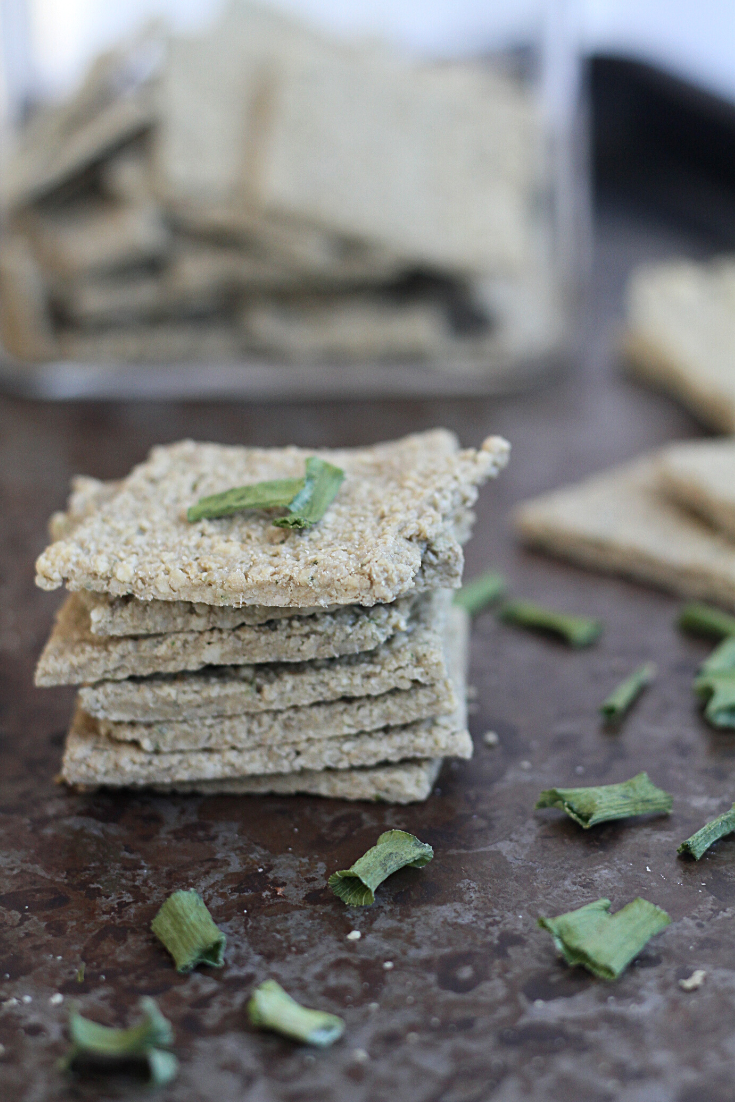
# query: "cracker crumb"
[[490, 738], [354, 935], [694, 982]]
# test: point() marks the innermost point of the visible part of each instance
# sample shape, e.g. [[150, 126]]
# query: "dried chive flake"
[[625, 695], [601, 804], [605, 944], [321, 486], [711, 832], [102, 1047], [272, 1008], [715, 684], [702, 619], [577, 631], [261, 495], [394, 850], [187, 930], [480, 592]]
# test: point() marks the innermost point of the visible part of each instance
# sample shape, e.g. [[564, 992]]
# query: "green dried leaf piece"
[[187, 930], [261, 495], [321, 486], [702, 619], [602, 943], [600, 804], [272, 1008], [146, 1041], [393, 851], [480, 592], [715, 684], [711, 832], [621, 699], [577, 631]]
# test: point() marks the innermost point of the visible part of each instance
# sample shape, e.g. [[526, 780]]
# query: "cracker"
[[346, 327], [700, 475], [268, 735], [620, 522], [91, 758], [681, 335], [403, 783], [405, 661], [73, 655], [129, 616], [389, 530], [177, 341], [25, 317]]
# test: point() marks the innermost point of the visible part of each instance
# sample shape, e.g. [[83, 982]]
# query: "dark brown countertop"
[[477, 1005]]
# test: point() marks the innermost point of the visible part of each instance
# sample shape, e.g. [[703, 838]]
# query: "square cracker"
[[622, 523], [681, 335], [317, 721], [408, 660], [73, 655], [403, 783], [700, 475], [91, 758], [390, 530]]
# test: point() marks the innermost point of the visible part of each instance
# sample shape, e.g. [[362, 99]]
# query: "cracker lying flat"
[[91, 758], [700, 475], [404, 783], [405, 661], [390, 529], [129, 616], [268, 735], [620, 522], [73, 655], [681, 335]]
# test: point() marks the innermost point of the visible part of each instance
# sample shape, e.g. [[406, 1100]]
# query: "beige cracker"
[[92, 759], [621, 522], [700, 475], [390, 529], [73, 655], [681, 335], [405, 661]]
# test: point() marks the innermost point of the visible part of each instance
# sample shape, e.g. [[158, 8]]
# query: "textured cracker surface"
[[700, 475], [681, 334], [404, 783], [129, 616], [621, 522], [389, 530], [91, 758], [73, 655], [267, 733], [405, 661]]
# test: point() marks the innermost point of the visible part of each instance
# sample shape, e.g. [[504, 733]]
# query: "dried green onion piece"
[[187, 930], [605, 944], [272, 1008], [146, 1041], [704, 620], [711, 832], [260, 495], [601, 804], [578, 631], [722, 658], [321, 486], [393, 851], [621, 699], [719, 692], [480, 592]]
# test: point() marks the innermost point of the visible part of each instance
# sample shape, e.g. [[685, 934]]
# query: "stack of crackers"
[[231, 655], [262, 189], [667, 518]]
